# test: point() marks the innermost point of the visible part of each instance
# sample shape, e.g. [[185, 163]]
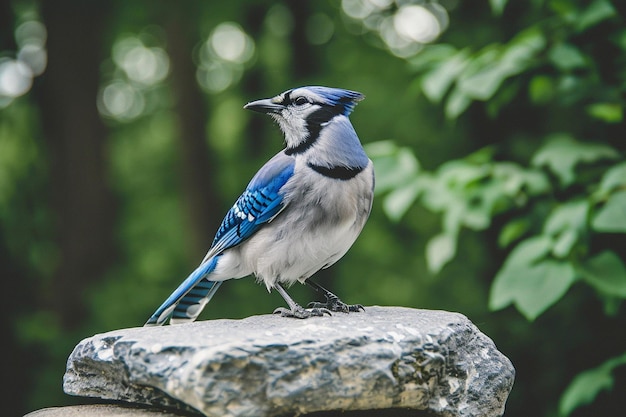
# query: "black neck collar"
[[338, 172]]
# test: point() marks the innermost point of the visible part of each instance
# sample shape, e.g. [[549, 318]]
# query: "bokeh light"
[[319, 29], [404, 25], [31, 32], [35, 57], [416, 24], [142, 64], [121, 101], [230, 43], [279, 20], [16, 74], [216, 76], [139, 70], [16, 77], [222, 57], [361, 9]]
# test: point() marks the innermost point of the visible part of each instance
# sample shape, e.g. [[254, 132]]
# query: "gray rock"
[[104, 410], [383, 358]]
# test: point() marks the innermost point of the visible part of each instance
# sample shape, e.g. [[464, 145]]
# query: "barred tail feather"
[[188, 300], [192, 304]]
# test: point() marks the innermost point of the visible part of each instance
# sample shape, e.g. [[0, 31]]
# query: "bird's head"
[[302, 112]]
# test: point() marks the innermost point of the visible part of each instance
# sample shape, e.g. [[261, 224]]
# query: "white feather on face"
[[299, 103]]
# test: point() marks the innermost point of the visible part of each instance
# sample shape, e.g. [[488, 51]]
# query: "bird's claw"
[[302, 313], [335, 304]]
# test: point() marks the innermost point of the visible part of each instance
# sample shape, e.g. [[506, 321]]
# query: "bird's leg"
[[296, 310], [333, 303]]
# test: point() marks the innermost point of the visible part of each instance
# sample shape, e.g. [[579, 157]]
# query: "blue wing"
[[259, 204]]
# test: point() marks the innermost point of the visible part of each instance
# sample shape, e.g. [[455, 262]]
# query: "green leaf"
[[483, 84], [588, 384], [437, 82], [483, 155], [613, 178], [510, 177], [476, 217], [495, 63], [533, 284], [611, 217], [541, 89], [569, 86], [505, 95], [439, 251], [457, 191], [497, 6], [571, 215], [529, 251], [394, 165], [606, 273], [566, 57], [480, 80], [398, 201], [561, 153], [524, 254], [456, 104], [607, 112], [381, 148], [597, 11], [564, 243], [512, 231], [522, 49], [431, 56], [540, 286], [458, 175], [565, 223], [453, 218], [535, 182], [584, 389], [611, 305], [566, 10]]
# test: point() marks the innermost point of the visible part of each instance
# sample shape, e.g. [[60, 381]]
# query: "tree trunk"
[[81, 200], [196, 166]]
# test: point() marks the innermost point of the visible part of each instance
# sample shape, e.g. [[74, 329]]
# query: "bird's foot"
[[300, 312], [335, 304]]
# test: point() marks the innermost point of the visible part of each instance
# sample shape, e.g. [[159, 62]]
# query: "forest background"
[[496, 128]]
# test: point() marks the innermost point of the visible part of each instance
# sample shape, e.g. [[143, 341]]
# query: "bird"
[[301, 212]]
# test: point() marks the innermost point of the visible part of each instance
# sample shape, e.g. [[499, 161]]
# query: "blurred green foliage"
[[498, 147], [554, 209]]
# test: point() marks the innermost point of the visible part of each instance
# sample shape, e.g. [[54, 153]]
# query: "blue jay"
[[300, 213]]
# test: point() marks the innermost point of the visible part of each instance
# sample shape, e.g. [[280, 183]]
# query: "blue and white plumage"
[[300, 213]]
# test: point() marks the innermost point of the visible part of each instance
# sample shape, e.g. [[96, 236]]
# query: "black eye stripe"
[[287, 99]]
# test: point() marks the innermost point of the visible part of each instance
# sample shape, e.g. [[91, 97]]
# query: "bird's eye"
[[301, 100]]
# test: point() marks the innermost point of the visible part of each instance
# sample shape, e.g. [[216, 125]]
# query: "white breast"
[[322, 219]]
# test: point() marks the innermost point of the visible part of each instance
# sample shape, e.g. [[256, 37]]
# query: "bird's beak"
[[266, 105]]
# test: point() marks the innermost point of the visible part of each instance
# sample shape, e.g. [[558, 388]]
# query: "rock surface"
[[105, 410], [383, 358]]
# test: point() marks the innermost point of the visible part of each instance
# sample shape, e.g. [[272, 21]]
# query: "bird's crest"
[[338, 97]]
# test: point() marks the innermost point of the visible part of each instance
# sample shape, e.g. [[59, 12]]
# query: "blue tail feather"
[[185, 303], [189, 307]]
